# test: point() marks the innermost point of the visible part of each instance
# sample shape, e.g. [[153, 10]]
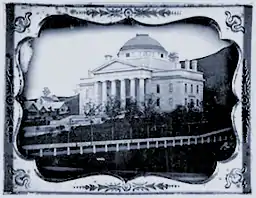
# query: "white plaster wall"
[[178, 94], [86, 93]]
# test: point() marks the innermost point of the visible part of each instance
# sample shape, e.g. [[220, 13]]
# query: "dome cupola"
[[142, 45]]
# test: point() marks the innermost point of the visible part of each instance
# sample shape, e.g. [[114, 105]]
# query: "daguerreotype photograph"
[[127, 99]]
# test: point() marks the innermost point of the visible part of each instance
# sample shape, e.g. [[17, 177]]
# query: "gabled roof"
[[43, 108], [29, 104], [32, 100], [110, 63], [130, 66], [54, 105]]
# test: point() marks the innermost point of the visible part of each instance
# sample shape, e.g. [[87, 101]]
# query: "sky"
[[61, 58]]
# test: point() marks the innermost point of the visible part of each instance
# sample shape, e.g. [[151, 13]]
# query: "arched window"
[[157, 88], [162, 55], [197, 89]]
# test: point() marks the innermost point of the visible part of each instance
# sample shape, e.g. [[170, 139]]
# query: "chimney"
[[194, 65], [89, 74], [178, 65], [108, 57], [187, 64]]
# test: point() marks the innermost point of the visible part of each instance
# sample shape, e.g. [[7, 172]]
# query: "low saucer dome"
[[141, 42]]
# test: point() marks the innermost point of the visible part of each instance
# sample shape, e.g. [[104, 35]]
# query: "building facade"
[[142, 67], [44, 109]]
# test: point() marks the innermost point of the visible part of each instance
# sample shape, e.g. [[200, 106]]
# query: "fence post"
[[68, 151], [41, 152], [138, 145], [128, 146], [117, 147], [81, 150], [54, 151]]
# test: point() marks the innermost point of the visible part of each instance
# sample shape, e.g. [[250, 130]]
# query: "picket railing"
[[122, 145]]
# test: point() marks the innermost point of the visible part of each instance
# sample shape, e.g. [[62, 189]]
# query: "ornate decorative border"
[[22, 24], [126, 187], [127, 12]]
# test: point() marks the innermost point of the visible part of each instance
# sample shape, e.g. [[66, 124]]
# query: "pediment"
[[32, 108], [115, 66]]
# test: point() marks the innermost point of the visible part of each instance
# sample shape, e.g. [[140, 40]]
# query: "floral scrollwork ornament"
[[21, 178], [234, 22], [125, 187], [235, 177], [22, 23]]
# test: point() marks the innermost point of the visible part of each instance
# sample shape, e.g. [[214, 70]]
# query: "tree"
[[90, 111], [131, 113], [148, 111], [173, 55], [113, 110], [178, 118], [46, 91]]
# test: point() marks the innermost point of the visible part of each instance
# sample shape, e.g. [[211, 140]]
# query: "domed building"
[[142, 67]]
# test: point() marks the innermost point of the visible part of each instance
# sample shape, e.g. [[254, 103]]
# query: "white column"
[[96, 92], [113, 88], [141, 87], [122, 91], [148, 86], [132, 88], [104, 91]]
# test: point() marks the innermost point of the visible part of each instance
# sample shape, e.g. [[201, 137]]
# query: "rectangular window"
[[191, 90], [197, 89], [186, 101], [170, 87], [162, 55], [197, 102], [158, 102], [186, 88], [157, 88], [192, 102], [190, 66], [127, 54]]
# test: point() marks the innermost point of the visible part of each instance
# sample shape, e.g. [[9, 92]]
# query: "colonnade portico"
[[122, 89]]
